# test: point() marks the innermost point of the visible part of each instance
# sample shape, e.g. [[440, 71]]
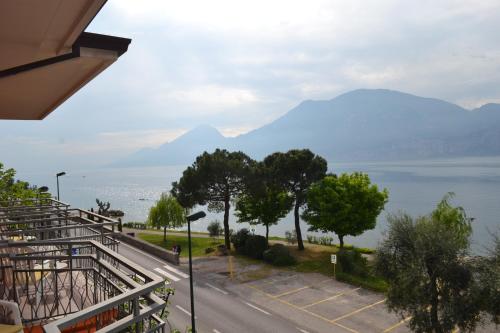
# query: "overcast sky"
[[238, 65]]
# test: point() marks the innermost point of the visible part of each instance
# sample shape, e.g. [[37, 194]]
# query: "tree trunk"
[[165, 234], [226, 223], [434, 307], [341, 240], [300, 243], [267, 234]]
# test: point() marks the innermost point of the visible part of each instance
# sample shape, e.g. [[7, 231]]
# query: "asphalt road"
[[216, 310]]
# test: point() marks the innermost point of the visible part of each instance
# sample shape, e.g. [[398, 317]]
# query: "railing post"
[[136, 314], [70, 265]]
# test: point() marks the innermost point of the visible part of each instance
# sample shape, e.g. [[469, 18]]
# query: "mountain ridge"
[[363, 124]]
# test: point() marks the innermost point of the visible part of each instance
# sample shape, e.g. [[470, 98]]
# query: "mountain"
[[182, 150], [358, 125]]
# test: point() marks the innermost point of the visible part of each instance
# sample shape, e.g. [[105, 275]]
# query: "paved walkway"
[[160, 232]]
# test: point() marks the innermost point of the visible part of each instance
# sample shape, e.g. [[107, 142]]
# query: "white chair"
[[10, 315]]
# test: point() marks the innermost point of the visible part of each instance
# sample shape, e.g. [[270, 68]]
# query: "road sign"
[[334, 258]]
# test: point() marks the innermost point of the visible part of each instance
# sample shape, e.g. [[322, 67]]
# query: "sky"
[[238, 65]]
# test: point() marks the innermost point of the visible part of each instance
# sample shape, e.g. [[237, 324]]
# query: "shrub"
[[134, 225], [326, 240], [291, 237], [214, 228], [209, 250], [278, 255], [255, 246], [239, 239], [352, 262]]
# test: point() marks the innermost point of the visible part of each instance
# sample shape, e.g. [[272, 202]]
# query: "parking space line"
[[330, 298], [346, 328], [357, 311], [396, 325], [300, 309], [292, 291]]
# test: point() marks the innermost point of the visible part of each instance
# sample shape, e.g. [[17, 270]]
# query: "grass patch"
[[199, 244], [370, 282], [316, 259]]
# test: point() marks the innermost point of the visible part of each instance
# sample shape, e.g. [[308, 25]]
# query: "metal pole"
[[193, 328], [57, 178]]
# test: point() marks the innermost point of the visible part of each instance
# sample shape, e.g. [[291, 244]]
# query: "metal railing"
[[49, 219], [83, 285]]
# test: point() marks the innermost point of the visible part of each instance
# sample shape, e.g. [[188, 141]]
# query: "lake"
[[414, 187]]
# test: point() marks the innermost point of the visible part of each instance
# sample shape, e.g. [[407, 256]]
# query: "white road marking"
[[256, 308], [176, 271], [215, 288], [303, 331], [183, 310], [215, 331], [167, 275]]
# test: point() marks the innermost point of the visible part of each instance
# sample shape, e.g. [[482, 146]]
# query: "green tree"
[[346, 205], [263, 202], [12, 189], [488, 276], [431, 279], [166, 213], [295, 171], [214, 179], [214, 229]]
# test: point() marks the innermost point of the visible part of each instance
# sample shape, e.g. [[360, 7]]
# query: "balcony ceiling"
[[31, 30], [32, 91], [45, 57]]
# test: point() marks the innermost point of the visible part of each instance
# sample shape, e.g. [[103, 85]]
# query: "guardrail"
[[49, 219], [82, 284]]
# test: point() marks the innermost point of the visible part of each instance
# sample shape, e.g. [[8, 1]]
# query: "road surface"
[[216, 310]]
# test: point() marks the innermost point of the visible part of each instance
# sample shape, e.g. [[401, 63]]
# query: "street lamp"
[[192, 218], [57, 179]]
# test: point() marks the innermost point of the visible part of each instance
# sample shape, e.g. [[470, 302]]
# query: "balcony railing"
[[79, 286], [49, 219]]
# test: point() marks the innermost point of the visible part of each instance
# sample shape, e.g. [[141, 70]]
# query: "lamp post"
[[57, 179], [192, 218]]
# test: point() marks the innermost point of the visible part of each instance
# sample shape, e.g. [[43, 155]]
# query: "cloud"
[[238, 65], [210, 97]]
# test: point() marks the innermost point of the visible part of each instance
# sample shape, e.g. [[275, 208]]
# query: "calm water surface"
[[414, 187]]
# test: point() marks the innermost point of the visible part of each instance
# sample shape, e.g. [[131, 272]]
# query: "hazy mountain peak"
[[204, 129], [489, 107], [364, 124]]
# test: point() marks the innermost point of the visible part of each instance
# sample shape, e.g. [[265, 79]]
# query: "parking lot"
[[344, 307]]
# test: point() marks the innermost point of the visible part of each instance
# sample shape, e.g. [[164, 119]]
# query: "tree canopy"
[[214, 179], [295, 171], [166, 213], [263, 201], [432, 277], [346, 205], [12, 189]]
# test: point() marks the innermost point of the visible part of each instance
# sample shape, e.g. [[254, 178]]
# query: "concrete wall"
[[150, 248]]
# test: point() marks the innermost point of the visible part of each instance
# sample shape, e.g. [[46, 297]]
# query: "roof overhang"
[[32, 30], [33, 90]]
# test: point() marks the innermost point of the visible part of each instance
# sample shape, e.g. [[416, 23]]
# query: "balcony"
[[60, 267], [49, 219]]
